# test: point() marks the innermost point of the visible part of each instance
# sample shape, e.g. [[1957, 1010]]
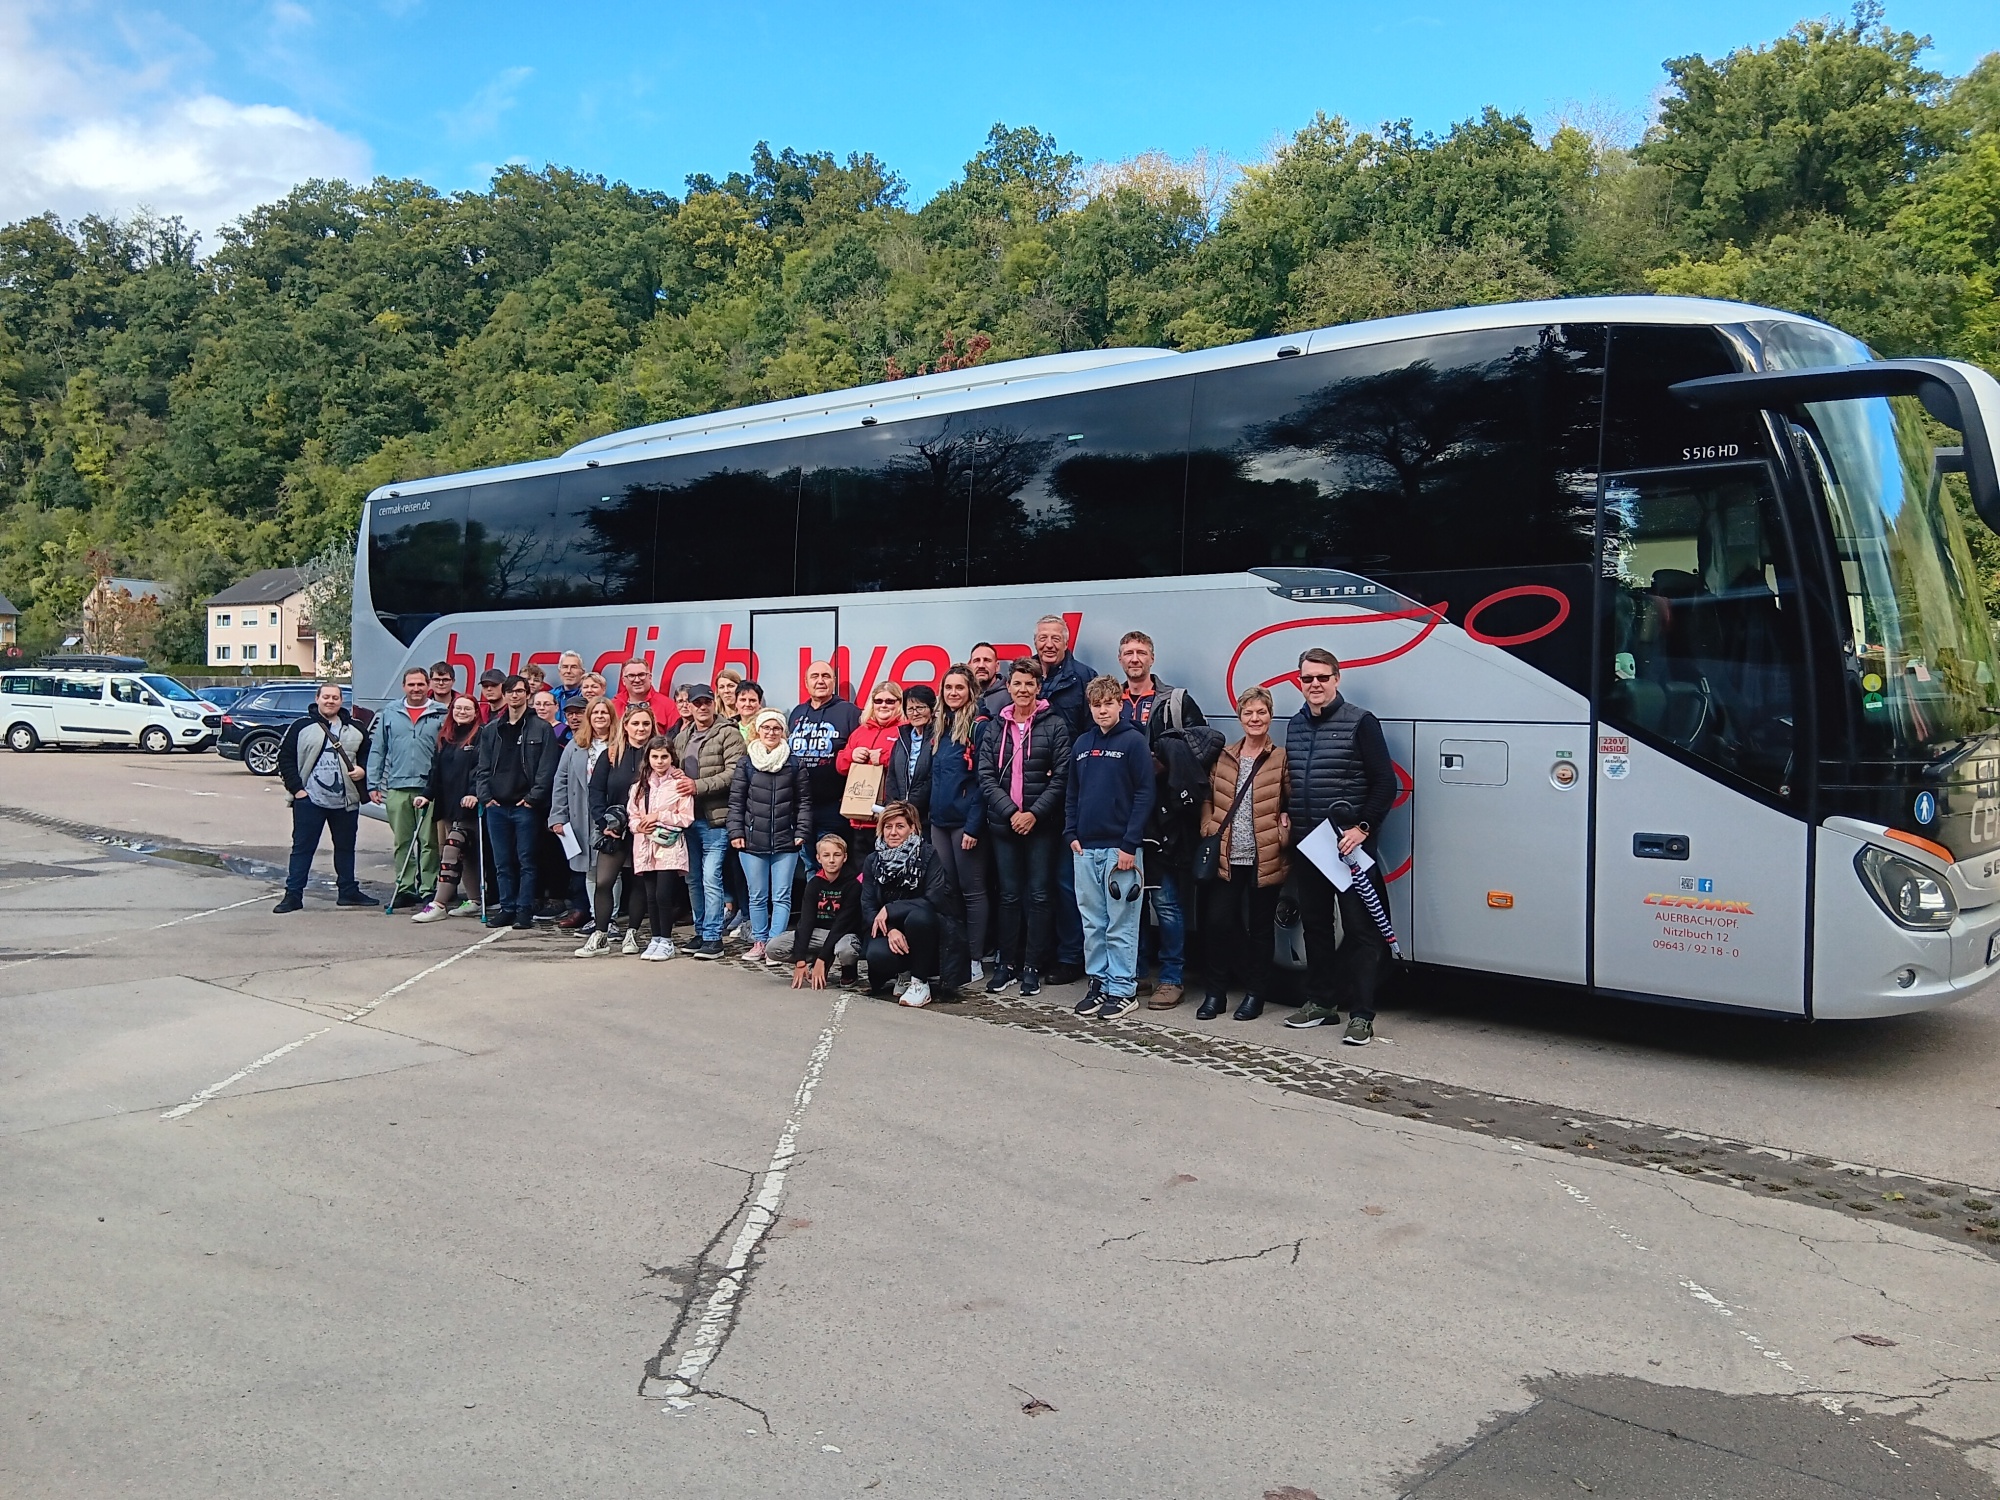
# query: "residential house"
[[264, 622], [10, 625]]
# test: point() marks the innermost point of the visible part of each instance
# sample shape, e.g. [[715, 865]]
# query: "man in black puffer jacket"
[[1024, 773], [1340, 769]]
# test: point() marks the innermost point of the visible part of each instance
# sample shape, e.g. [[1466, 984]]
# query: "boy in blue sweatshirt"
[[1110, 797]]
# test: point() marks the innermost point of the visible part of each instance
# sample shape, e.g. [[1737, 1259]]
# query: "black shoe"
[[405, 900], [524, 921], [711, 949], [356, 898], [850, 977], [1031, 982], [1002, 977], [1212, 1005], [1251, 1008], [1093, 996], [1065, 973], [1117, 1007], [290, 903]]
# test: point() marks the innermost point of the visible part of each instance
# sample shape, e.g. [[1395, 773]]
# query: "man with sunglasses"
[[1340, 769]]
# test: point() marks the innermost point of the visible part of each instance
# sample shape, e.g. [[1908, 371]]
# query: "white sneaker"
[[652, 950], [918, 992], [631, 944], [667, 950], [978, 972], [432, 912], [598, 943], [903, 983]]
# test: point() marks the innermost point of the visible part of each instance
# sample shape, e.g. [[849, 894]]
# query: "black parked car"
[[252, 728]]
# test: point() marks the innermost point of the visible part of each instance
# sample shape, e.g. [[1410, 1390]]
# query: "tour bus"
[[1664, 604]]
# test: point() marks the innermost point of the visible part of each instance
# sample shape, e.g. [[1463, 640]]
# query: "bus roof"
[[1060, 374]]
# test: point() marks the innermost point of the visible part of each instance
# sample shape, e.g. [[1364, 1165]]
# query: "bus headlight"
[[1910, 894]]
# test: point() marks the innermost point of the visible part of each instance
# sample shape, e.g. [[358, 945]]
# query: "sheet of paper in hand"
[[1322, 847]]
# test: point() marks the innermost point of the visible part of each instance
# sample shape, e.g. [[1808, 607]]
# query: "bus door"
[[1502, 834], [783, 643], [1699, 760]]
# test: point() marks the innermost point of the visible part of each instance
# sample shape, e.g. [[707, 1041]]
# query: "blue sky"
[[209, 106]]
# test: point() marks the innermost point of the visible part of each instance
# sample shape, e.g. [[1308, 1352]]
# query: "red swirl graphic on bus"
[[1523, 591]]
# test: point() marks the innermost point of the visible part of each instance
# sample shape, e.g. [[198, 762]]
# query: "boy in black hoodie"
[[1110, 798], [826, 921]]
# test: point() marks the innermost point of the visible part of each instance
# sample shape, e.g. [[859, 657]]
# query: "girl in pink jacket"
[[659, 808]]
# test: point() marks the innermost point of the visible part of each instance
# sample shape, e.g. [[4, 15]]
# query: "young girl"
[[657, 811]]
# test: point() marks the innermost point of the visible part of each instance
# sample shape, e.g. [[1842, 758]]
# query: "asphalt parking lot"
[[337, 1204]]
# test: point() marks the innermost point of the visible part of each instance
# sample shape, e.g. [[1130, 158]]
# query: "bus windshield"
[[1918, 644]]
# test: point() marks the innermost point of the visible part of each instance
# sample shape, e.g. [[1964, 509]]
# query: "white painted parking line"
[[181, 1110], [155, 786], [133, 931], [715, 1317]]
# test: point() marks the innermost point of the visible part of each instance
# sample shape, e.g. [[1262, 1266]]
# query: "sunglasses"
[[1315, 677]]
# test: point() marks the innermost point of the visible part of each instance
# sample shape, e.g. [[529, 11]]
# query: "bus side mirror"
[[1959, 395]]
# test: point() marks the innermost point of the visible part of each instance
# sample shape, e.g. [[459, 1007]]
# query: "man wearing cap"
[[706, 749], [490, 704]]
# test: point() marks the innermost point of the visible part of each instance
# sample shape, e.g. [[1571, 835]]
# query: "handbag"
[[862, 796], [1208, 853]]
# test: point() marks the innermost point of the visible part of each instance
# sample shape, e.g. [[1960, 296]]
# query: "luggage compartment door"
[[1502, 842]]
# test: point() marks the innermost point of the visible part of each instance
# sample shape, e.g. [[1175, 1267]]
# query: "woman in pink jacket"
[[657, 811]]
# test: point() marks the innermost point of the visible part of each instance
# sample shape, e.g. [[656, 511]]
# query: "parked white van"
[[147, 709]]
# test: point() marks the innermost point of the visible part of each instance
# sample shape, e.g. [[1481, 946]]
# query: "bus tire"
[[21, 738]]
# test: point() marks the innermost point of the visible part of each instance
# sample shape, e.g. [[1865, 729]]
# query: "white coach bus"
[[1663, 604]]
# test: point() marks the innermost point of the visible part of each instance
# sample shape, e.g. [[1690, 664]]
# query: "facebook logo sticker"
[[1706, 887]]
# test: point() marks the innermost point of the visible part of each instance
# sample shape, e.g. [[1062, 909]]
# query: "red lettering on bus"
[[1431, 614], [935, 657], [616, 657]]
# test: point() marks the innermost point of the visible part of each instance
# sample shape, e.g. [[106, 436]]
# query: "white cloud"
[[81, 134], [480, 115]]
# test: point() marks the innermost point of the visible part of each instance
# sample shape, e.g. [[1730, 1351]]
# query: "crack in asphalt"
[[697, 1280], [1216, 1260]]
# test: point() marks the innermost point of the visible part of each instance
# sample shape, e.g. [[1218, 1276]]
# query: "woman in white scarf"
[[770, 819]]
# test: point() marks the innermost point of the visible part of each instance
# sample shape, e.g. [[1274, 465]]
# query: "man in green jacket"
[[400, 751]]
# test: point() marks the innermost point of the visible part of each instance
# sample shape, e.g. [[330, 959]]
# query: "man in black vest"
[[1340, 769]]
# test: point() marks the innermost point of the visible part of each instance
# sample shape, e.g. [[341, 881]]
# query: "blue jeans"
[[1110, 922], [1172, 939], [769, 877], [308, 818], [707, 844], [511, 833]]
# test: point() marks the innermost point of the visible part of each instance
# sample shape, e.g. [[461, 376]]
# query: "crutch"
[[479, 851], [403, 864]]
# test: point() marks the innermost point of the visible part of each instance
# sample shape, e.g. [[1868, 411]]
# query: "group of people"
[[1008, 827]]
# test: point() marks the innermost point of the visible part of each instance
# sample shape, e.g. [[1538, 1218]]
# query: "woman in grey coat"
[[569, 807]]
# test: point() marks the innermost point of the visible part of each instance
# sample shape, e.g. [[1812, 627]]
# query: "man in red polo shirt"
[[635, 685]]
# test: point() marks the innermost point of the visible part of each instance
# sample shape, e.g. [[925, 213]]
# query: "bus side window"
[[726, 523], [1081, 487], [601, 547], [886, 507], [416, 559], [1702, 645], [510, 541], [1465, 451]]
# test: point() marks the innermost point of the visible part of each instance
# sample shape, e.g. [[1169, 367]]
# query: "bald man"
[[820, 727]]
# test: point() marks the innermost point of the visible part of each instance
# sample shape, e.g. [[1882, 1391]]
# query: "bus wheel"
[[22, 738], [155, 740]]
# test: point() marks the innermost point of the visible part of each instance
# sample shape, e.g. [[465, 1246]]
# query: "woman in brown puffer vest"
[[1241, 903]]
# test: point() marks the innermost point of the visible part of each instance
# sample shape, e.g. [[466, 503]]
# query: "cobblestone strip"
[[1958, 1211]]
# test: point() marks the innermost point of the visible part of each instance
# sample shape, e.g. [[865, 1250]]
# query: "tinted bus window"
[[1079, 487], [887, 507], [510, 542], [727, 523], [416, 559], [601, 545], [1645, 427], [1468, 451]]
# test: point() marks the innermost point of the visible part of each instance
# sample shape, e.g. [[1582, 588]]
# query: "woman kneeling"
[[904, 891]]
